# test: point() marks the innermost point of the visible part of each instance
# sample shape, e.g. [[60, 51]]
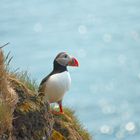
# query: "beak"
[[73, 62]]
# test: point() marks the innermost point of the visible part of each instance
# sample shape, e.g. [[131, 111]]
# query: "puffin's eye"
[[65, 56]]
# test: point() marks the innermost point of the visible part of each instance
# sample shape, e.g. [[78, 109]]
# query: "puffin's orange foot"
[[56, 112]]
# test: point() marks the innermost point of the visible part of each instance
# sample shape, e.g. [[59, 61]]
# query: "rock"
[[33, 120]]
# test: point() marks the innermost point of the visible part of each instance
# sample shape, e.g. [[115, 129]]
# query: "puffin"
[[54, 86]]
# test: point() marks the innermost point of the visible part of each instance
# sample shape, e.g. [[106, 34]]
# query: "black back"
[[57, 68]]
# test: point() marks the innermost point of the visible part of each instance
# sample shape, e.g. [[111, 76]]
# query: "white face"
[[63, 59]]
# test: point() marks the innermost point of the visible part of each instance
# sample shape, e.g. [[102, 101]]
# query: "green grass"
[[24, 77]]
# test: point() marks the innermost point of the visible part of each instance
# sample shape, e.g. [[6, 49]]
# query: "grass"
[[24, 77], [7, 101], [78, 126]]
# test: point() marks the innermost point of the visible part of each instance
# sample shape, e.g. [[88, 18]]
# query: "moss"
[[57, 136]]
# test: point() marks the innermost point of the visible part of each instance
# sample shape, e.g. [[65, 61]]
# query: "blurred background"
[[103, 35]]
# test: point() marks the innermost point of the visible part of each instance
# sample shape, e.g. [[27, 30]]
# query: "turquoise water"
[[103, 35]]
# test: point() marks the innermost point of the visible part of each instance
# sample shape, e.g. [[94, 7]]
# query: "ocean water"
[[103, 35]]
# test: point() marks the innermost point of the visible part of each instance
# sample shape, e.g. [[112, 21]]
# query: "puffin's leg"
[[60, 106]]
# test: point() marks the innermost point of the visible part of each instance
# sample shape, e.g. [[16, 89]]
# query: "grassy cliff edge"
[[23, 115]]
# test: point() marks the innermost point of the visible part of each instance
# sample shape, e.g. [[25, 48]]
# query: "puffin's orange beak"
[[73, 62]]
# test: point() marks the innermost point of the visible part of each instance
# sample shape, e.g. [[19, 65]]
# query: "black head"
[[66, 60], [63, 60]]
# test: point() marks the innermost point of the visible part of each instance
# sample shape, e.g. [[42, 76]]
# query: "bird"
[[54, 86]]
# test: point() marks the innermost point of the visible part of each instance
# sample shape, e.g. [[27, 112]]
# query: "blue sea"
[[103, 35]]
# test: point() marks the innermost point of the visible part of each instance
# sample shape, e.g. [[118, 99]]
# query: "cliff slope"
[[23, 115]]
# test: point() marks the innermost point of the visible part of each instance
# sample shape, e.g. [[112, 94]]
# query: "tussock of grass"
[[8, 99]]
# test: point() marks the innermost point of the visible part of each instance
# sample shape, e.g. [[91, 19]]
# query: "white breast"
[[57, 85]]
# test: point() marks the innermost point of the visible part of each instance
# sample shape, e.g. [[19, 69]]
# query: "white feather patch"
[[57, 85]]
